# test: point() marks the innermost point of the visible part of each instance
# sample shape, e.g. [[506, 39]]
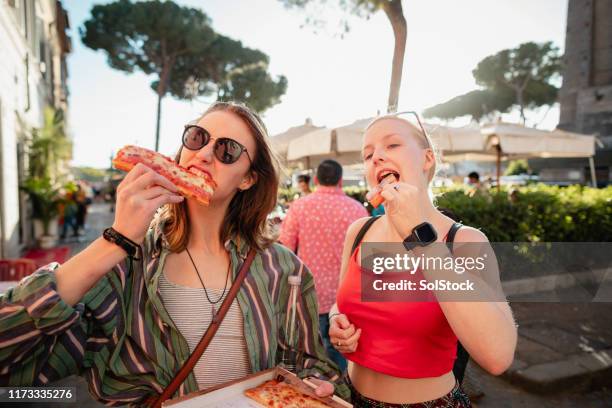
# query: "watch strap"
[[412, 241], [133, 249]]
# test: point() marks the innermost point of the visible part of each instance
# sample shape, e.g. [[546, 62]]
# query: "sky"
[[332, 79]]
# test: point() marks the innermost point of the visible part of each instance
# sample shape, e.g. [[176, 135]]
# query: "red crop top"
[[402, 339]]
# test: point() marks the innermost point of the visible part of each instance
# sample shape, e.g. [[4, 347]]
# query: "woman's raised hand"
[[139, 196], [342, 334], [405, 206]]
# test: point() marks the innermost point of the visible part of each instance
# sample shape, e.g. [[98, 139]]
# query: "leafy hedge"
[[536, 213]]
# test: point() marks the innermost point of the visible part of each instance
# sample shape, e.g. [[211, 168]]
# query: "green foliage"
[[286, 195], [477, 104], [48, 145], [45, 199], [365, 8], [317, 12], [90, 174], [522, 77], [180, 48], [516, 167], [539, 213]]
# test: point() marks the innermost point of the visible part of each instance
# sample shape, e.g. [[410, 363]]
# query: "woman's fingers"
[[348, 345], [322, 388], [347, 333], [341, 321], [164, 199], [337, 331], [132, 175], [154, 192], [352, 339], [150, 178]]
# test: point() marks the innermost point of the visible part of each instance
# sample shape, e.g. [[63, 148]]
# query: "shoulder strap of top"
[[362, 232], [450, 237]]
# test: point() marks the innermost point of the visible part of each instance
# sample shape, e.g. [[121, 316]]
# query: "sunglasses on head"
[[226, 150], [413, 117]]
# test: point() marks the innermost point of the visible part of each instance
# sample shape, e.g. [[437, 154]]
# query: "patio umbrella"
[[492, 142], [505, 141], [342, 144], [281, 141]]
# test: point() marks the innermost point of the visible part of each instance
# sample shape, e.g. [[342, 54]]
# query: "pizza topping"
[[273, 393]]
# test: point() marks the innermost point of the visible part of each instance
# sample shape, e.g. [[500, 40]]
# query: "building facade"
[[33, 75], [586, 92]]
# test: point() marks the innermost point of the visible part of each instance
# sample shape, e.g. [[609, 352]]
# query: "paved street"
[[552, 331]]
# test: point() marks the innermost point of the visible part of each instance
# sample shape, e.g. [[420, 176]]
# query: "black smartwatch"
[[129, 246], [422, 235]]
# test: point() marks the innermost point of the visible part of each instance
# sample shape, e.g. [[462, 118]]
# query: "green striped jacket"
[[122, 340]]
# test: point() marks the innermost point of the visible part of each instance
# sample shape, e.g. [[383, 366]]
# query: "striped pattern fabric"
[[121, 338], [191, 313]]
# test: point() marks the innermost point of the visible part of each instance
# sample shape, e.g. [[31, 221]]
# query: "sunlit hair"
[[418, 130], [246, 216]]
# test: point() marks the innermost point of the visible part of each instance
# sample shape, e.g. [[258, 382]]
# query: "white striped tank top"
[[226, 357]]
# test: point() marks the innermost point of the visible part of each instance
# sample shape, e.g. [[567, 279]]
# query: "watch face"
[[425, 233]]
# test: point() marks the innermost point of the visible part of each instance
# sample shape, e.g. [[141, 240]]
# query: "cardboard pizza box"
[[231, 394]]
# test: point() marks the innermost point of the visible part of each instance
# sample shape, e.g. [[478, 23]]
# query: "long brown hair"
[[246, 216]]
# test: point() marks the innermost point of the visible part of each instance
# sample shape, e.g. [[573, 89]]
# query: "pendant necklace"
[[214, 309]]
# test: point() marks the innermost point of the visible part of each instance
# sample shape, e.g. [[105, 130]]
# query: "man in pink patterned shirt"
[[314, 228]]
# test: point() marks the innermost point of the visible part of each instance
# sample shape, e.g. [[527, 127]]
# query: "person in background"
[[314, 228], [304, 185], [474, 179], [513, 195], [475, 185], [69, 213], [81, 202]]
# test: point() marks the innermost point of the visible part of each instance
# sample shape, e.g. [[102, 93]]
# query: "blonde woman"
[[402, 354]]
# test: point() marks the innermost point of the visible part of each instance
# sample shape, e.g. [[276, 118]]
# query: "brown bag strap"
[[207, 337]]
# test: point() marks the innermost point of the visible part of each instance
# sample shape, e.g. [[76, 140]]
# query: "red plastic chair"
[[5, 269], [16, 269]]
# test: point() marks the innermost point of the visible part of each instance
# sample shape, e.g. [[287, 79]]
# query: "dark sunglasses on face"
[[226, 150]]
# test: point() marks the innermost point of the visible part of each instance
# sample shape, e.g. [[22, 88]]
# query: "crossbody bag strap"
[[364, 228], [207, 337]]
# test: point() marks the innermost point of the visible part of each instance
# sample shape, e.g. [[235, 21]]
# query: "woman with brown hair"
[[128, 323]]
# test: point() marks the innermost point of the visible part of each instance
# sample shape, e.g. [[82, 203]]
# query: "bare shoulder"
[[470, 234], [354, 228]]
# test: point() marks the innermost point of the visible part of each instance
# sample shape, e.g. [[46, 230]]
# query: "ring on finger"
[[396, 187]]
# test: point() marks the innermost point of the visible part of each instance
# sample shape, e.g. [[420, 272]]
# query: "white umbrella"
[[505, 141], [281, 141], [492, 142], [342, 144]]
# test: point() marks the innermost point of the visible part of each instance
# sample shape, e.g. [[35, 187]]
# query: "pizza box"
[[231, 394]]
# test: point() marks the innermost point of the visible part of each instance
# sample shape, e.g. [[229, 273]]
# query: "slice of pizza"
[[199, 186], [275, 394]]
